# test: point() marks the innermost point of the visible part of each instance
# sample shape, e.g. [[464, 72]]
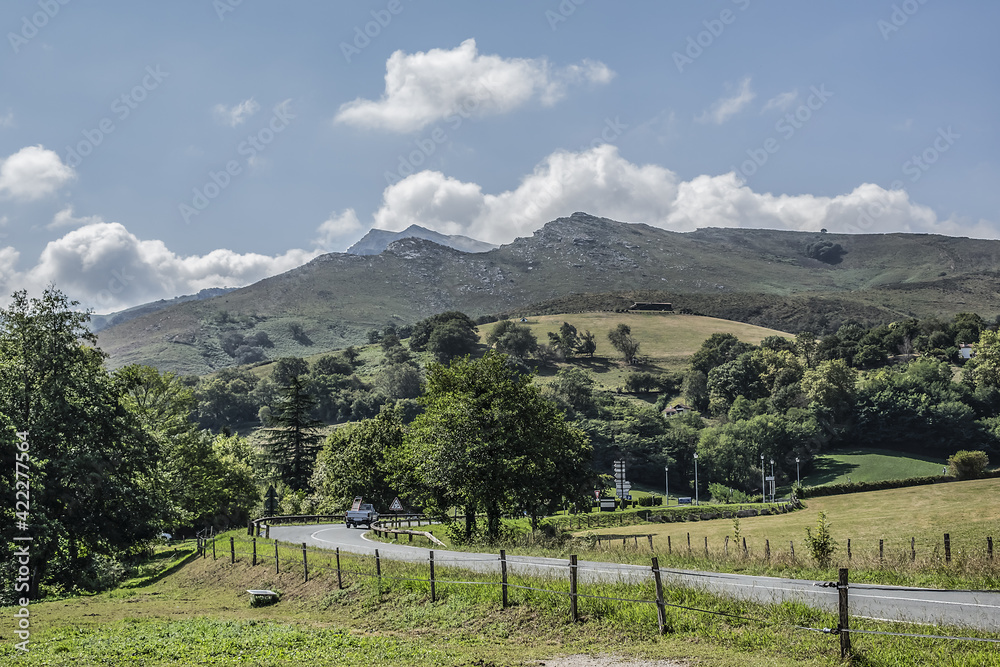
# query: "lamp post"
[[763, 492], [798, 480], [666, 484], [772, 480], [696, 479]]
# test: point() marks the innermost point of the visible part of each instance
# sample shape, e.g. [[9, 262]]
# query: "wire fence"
[[522, 574]]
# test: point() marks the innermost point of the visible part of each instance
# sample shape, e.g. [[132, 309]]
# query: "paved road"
[[969, 609]]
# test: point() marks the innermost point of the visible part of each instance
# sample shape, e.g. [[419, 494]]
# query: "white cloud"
[[65, 218], [236, 114], [782, 101], [424, 87], [33, 172], [603, 183], [339, 227], [726, 107], [106, 267]]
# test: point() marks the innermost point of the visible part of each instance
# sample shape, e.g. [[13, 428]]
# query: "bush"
[[821, 545], [966, 464]]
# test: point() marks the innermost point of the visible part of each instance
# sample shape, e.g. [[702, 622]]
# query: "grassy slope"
[[200, 615], [969, 511], [870, 465]]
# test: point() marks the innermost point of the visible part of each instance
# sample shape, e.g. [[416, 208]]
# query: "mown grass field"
[[968, 511], [870, 465], [201, 614]]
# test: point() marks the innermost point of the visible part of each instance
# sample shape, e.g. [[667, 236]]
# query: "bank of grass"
[[201, 614], [870, 465]]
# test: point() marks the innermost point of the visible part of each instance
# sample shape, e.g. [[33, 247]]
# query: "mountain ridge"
[[761, 276]]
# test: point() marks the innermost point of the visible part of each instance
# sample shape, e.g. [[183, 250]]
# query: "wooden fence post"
[[947, 548], [706, 546], [305, 564], [232, 551], [725, 547], [848, 548], [433, 592], [340, 580], [277, 567], [378, 566], [651, 543], [689, 544], [913, 549], [267, 531], [746, 553], [668, 545], [213, 548], [767, 549], [845, 636], [989, 548], [791, 547], [661, 610], [881, 550], [503, 576], [572, 589]]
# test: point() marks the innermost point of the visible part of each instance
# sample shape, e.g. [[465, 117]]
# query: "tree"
[[964, 464], [487, 440], [451, 340], [622, 340], [292, 441], [399, 381], [567, 341], [575, 387], [227, 399], [358, 460], [90, 461], [508, 337], [587, 344], [422, 330], [287, 367], [717, 350]]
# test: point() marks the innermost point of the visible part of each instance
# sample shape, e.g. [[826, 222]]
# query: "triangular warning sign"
[[396, 506]]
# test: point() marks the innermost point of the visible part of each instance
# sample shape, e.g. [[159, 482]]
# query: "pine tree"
[[292, 440]]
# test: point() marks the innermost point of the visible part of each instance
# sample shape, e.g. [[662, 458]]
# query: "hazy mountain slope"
[[377, 240], [755, 274]]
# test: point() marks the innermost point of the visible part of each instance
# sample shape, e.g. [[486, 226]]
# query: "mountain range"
[[781, 279]]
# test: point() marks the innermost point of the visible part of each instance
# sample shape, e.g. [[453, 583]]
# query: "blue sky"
[[152, 149]]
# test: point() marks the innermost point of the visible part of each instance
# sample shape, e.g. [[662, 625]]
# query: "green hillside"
[[763, 277], [870, 465]]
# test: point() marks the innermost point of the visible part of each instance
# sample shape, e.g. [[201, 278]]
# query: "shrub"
[[966, 464], [821, 545]]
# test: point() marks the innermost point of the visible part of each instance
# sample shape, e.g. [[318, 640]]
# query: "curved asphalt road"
[[918, 605]]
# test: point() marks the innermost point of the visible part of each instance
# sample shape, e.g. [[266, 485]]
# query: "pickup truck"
[[365, 514]]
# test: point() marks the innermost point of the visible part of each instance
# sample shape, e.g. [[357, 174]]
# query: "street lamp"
[[666, 480], [798, 480], [772, 480], [763, 493], [696, 480]]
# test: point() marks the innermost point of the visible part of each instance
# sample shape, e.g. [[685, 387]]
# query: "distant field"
[[661, 336], [969, 511], [870, 465]]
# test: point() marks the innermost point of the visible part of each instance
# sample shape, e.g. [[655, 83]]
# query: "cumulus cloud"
[[65, 218], [726, 107], [106, 267], [32, 173], [332, 233], [602, 182], [782, 101], [424, 87], [236, 114]]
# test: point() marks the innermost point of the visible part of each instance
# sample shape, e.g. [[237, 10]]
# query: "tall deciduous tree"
[[90, 459], [292, 440], [622, 340], [488, 441]]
